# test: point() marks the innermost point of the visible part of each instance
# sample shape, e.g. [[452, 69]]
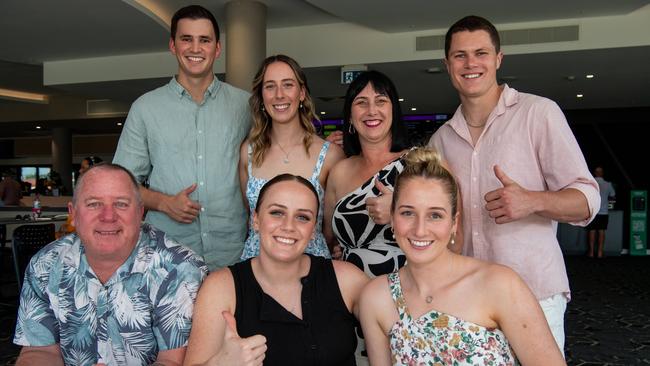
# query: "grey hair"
[[108, 167]]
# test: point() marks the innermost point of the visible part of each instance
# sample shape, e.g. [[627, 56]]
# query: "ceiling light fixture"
[[414, 109], [38, 127], [579, 95], [22, 96], [322, 112], [589, 76], [119, 123], [401, 99], [434, 70]]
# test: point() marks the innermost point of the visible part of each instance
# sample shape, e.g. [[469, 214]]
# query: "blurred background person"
[[10, 189], [597, 228]]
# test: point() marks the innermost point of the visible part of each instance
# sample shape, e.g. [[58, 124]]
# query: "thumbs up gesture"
[[510, 203], [181, 207], [379, 207], [239, 351]]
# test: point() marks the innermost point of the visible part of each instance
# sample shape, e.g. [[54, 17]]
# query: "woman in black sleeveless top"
[[289, 308]]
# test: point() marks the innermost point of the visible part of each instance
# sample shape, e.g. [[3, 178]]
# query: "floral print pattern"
[[438, 339], [317, 245]]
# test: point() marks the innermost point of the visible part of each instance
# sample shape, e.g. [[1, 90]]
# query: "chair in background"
[[27, 241]]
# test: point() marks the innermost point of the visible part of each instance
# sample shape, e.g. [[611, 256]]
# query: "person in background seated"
[[86, 163], [10, 190], [116, 292], [443, 308], [283, 307], [283, 140], [598, 226]]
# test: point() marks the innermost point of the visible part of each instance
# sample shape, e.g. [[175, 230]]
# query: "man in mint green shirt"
[[183, 139]]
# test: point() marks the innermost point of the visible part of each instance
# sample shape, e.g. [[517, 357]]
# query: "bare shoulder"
[[218, 284], [503, 280], [243, 152], [342, 169], [376, 295], [348, 272]]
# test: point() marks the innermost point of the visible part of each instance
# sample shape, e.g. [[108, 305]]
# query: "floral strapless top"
[[440, 339]]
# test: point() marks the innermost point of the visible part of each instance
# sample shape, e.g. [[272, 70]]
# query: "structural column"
[[245, 41], [62, 156]]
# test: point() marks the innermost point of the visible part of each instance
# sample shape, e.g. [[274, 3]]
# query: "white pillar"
[[62, 156], [245, 41]]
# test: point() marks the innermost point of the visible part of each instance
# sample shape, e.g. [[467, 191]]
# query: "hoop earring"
[[351, 129]]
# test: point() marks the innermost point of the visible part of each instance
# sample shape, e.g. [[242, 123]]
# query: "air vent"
[[106, 107], [511, 37]]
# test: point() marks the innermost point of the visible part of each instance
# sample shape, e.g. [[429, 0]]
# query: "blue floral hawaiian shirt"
[[144, 308]]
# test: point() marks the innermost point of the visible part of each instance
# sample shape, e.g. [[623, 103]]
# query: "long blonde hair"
[[260, 134], [426, 163]]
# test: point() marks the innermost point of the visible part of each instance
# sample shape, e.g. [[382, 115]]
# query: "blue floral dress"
[[316, 246], [441, 339]]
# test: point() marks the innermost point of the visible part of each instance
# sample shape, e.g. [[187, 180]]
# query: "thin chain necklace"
[[285, 152]]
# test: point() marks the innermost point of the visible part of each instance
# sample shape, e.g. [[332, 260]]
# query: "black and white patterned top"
[[369, 246]]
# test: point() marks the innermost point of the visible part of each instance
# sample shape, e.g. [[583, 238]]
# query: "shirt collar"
[[508, 98], [179, 90]]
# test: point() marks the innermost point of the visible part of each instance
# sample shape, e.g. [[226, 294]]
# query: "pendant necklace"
[[286, 155], [429, 299]]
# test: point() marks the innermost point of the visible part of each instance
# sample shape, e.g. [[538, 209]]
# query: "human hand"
[[510, 203], [337, 252], [236, 350], [336, 137], [181, 207], [379, 207]]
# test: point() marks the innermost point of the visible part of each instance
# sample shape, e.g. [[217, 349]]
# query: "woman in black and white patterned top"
[[359, 188]]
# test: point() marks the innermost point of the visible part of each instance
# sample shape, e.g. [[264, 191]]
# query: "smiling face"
[[472, 63], [422, 219], [195, 47], [285, 220], [282, 93], [107, 214], [372, 115]]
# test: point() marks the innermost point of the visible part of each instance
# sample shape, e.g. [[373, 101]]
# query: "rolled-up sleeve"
[[562, 162]]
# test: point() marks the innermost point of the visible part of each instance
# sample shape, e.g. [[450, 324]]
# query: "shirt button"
[[475, 206], [200, 157], [200, 183], [474, 179], [205, 234], [200, 131], [475, 233], [203, 209]]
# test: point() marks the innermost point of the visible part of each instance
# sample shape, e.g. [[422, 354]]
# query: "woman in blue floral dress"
[[283, 140], [442, 308]]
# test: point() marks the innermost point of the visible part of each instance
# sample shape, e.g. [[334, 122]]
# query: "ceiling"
[[36, 31]]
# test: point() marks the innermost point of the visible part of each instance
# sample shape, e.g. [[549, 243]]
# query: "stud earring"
[[392, 232], [263, 110], [300, 105]]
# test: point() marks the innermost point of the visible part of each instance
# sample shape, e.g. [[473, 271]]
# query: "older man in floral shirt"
[[116, 292]]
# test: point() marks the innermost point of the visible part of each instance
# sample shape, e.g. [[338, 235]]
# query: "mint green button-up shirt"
[[172, 142]]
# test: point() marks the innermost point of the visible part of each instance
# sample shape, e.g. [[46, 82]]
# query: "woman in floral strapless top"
[[443, 308]]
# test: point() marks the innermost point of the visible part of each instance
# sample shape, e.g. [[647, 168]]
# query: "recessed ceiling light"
[[38, 127], [401, 99], [579, 95], [589, 76], [570, 77], [322, 112], [414, 109], [119, 123], [434, 70]]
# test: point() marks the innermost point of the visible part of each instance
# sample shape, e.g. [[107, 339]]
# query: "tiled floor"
[[607, 321]]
